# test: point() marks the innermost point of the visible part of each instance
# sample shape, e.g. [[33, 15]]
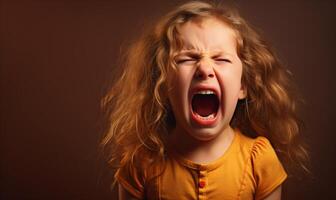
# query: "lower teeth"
[[211, 116]]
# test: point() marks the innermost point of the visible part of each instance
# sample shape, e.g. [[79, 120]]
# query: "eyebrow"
[[189, 53], [194, 52]]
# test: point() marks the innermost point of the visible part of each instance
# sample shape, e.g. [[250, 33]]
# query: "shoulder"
[[259, 150], [254, 146], [250, 145], [133, 175], [263, 153], [262, 147], [266, 168]]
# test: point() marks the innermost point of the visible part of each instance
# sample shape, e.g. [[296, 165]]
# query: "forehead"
[[207, 34]]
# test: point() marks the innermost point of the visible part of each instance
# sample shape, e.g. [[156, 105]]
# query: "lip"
[[197, 88], [194, 117]]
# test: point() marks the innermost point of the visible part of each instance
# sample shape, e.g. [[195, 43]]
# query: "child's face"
[[207, 82]]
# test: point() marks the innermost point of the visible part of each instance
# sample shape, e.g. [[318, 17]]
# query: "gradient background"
[[56, 60]]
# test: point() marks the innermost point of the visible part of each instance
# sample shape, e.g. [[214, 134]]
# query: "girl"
[[202, 110]]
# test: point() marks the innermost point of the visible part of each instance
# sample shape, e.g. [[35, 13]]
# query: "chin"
[[205, 134]]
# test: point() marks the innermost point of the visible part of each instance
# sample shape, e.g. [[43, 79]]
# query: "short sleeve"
[[267, 168], [131, 180]]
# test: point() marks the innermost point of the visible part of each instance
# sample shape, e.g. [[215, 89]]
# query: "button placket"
[[202, 184]]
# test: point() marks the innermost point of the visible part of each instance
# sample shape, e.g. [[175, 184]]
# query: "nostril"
[[199, 75], [202, 76], [203, 73]]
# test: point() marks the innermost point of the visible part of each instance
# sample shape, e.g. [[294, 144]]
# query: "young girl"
[[202, 110]]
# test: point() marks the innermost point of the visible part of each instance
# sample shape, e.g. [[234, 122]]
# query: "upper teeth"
[[205, 92]]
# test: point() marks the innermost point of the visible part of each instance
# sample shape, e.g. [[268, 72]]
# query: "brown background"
[[56, 60]]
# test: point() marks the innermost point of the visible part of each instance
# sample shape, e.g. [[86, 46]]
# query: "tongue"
[[204, 105]]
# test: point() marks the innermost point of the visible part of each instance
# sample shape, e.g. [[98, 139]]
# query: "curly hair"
[[137, 107]]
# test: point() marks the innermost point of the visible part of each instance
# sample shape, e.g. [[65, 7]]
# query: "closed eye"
[[185, 60], [223, 60]]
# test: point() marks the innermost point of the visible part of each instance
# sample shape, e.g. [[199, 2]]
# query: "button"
[[201, 183], [203, 173]]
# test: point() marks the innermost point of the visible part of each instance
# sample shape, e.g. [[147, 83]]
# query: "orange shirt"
[[249, 169]]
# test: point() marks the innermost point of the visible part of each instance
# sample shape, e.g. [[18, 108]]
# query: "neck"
[[201, 151]]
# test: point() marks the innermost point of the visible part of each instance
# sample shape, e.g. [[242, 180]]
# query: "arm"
[[275, 195], [124, 195]]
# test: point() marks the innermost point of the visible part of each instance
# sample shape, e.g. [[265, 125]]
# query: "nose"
[[204, 70]]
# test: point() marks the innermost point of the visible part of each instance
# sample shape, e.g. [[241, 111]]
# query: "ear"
[[242, 92]]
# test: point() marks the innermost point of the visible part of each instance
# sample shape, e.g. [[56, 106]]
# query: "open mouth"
[[205, 105]]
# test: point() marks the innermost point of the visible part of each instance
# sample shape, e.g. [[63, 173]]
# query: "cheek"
[[178, 88], [181, 81], [230, 79], [230, 85]]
